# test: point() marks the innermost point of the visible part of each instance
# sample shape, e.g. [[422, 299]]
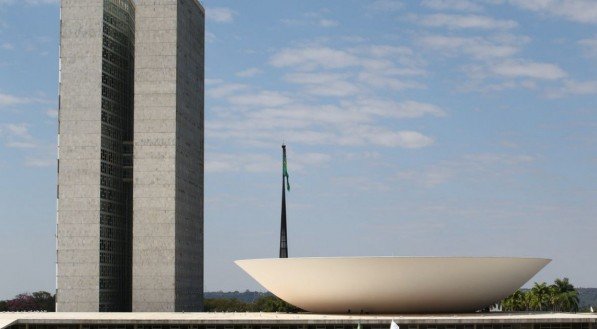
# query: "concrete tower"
[[103, 118], [168, 156], [95, 125]]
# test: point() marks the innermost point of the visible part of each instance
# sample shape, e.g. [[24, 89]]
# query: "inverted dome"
[[392, 284]]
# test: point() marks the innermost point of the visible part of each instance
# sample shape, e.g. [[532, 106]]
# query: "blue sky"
[[438, 127]]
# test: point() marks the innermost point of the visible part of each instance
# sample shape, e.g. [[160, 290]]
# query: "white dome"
[[392, 284]]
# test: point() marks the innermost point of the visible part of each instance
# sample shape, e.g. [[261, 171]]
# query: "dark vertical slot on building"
[[115, 286]]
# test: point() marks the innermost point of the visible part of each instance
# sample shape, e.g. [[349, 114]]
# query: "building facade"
[[108, 125], [263, 320], [168, 153]]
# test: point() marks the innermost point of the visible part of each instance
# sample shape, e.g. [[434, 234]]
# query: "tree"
[[540, 296], [514, 302], [22, 303], [3, 306], [274, 304], [560, 296], [564, 296], [45, 301]]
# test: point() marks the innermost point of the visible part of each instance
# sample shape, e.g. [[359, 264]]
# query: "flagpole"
[[283, 233]]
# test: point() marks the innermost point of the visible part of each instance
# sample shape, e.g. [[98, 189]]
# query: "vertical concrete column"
[[168, 156], [189, 156], [78, 227]]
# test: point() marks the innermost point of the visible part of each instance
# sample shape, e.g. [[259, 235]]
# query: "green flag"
[[285, 171]]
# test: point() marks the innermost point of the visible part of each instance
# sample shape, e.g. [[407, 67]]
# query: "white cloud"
[[262, 98], [210, 37], [399, 110], [39, 162], [220, 14], [404, 139], [224, 90], [9, 100], [571, 87], [467, 166], [465, 22], [250, 72], [477, 47], [20, 145], [256, 163], [328, 23], [222, 162], [52, 113], [17, 135], [580, 87], [309, 58], [324, 84], [7, 46], [377, 79], [582, 11], [458, 5], [526, 69], [262, 117], [379, 67]]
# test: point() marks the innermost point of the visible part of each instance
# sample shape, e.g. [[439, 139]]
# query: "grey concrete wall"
[[154, 155], [77, 276], [168, 157], [189, 156]]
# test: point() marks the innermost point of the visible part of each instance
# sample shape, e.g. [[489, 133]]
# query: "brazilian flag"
[[285, 171]]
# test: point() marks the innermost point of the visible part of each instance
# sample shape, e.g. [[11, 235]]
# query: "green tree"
[[514, 302], [540, 297], [561, 296], [564, 296], [225, 305], [45, 301], [273, 304]]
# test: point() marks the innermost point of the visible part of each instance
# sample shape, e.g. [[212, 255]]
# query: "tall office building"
[[130, 177], [168, 152]]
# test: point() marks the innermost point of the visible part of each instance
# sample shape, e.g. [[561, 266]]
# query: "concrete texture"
[[93, 220], [284, 320], [168, 157], [77, 271]]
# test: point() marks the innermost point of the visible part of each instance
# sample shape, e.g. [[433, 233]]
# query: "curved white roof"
[[392, 284]]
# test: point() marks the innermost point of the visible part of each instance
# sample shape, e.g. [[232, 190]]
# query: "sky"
[[431, 128]]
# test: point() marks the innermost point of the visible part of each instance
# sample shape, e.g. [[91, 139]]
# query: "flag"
[[393, 325], [285, 171]]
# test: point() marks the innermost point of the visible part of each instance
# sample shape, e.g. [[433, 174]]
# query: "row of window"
[[121, 9], [115, 108], [110, 157], [111, 195], [110, 169], [110, 284], [116, 35], [115, 71], [114, 233], [114, 95], [110, 207], [118, 24], [111, 145], [110, 246], [108, 131], [111, 258], [113, 83], [115, 59], [110, 182]]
